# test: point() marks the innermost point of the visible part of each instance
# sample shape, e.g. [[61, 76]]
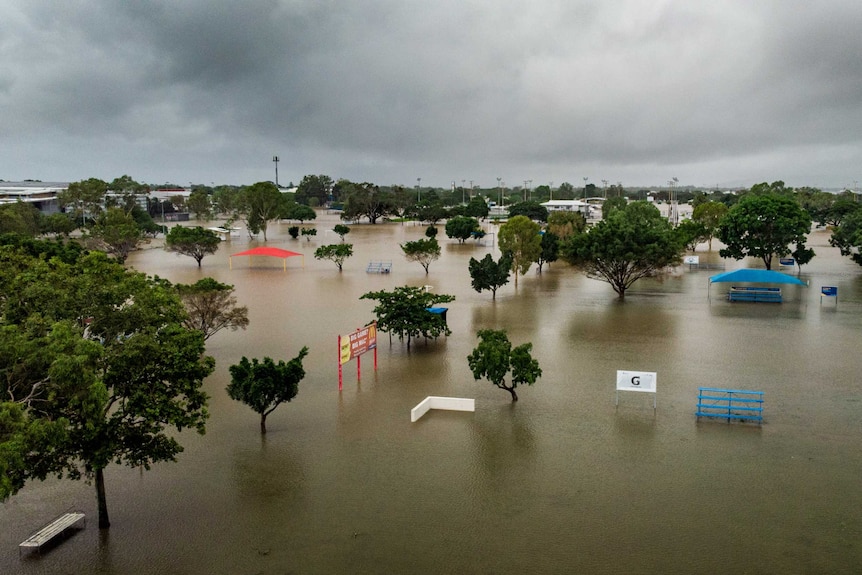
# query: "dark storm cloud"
[[391, 91]]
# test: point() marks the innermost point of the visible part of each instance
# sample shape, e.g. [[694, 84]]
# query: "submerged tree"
[[264, 385], [486, 274], [211, 307], [97, 357], [195, 242], [404, 312], [632, 243], [494, 358], [520, 240], [422, 251], [765, 226], [335, 253]]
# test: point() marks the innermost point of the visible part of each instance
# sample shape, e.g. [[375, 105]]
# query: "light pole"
[[275, 161], [500, 185], [551, 190], [605, 183], [462, 190], [586, 179], [418, 190], [471, 189]]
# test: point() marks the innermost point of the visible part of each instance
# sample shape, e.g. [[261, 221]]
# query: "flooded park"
[[563, 481]]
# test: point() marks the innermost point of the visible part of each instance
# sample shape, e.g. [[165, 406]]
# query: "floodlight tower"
[[275, 161]]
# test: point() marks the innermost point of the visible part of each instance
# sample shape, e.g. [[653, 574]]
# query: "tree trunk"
[[104, 522], [263, 423], [512, 391]]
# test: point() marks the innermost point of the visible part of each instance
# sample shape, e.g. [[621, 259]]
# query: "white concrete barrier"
[[448, 403]]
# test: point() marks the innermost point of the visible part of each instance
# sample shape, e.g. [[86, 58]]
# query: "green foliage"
[[85, 197], [520, 240], [117, 233], [335, 253], [709, 216], [533, 210], [550, 250], [211, 307], [199, 202], [195, 242], [404, 312], [462, 228], [611, 205], [57, 224], [262, 203], [102, 352], [66, 251], [486, 274], [20, 218], [431, 231], [565, 223], [308, 233], [341, 230], [422, 251], [764, 225], [690, 233], [293, 231], [431, 211], [300, 212], [633, 243], [365, 200], [265, 385], [477, 207], [494, 358], [848, 236], [317, 188]]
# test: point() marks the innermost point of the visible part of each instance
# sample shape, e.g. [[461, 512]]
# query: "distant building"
[[589, 211], [43, 195]]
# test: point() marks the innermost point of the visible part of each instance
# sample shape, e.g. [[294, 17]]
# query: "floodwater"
[[563, 481]]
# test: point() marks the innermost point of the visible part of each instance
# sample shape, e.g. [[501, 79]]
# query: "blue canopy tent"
[[755, 276]]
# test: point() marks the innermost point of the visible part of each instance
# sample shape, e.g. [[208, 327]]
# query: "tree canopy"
[[404, 312], [494, 359], [96, 366], [264, 385], [709, 216], [462, 228], [519, 239], [633, 243], [261, 203], [765, 225], [336, 253], [117, 233], [486, 274], [533, 210], [211, 307], [848, 237], [422, 251], [195, 242]]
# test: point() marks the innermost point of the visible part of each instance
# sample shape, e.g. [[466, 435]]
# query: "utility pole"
[[275, 161]]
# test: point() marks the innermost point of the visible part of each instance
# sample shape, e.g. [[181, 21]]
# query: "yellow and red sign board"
[[357, 343]]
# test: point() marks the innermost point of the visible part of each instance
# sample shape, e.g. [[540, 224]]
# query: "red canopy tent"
[[271, 252]]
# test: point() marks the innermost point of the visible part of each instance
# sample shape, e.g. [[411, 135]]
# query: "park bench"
[[57, 527], [379, 267], [730, 404], [767, 295]]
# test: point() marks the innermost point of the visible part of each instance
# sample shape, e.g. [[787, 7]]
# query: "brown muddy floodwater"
[[561, 482]]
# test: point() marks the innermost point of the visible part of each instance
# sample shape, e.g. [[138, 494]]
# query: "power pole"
[[275, 161]]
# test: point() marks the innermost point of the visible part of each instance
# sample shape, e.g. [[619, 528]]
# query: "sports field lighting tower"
[[275, 161]]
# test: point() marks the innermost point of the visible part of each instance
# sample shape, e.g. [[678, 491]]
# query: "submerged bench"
[[57, 527], [730, 404], [375, 267], [436, 402], [767, 295]]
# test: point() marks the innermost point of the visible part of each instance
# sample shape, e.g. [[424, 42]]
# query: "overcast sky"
[[715, 93]]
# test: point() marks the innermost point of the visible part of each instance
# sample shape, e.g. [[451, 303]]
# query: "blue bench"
[[730, 404], [767, 295]]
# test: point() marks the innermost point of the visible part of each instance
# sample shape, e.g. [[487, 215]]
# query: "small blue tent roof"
[[756, 277]]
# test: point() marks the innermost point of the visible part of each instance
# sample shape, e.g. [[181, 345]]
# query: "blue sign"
[[787, 261], [829, 290]]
